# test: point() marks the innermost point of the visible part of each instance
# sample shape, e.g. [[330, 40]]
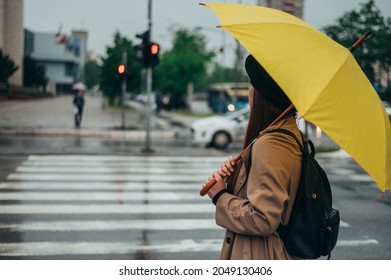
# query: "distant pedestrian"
[[79, 102], [158, 100]]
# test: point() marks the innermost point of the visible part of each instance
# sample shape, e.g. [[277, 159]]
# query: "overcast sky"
[[103, 17]]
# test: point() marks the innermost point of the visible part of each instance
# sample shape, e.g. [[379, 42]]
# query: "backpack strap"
[[304, 149], [290, 133]]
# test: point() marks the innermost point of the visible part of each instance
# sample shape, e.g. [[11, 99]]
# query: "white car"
[[220, 131]]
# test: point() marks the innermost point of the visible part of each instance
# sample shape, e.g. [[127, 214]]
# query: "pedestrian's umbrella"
[[79, 86], [321, 78]]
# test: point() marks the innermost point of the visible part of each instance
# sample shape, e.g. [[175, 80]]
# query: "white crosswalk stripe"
[[51, 201], [107, 248], [168, 224], [106, 209]]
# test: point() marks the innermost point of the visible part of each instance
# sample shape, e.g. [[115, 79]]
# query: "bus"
[[226, 97]]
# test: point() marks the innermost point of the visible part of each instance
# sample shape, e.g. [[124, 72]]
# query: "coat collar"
[[286, 122]]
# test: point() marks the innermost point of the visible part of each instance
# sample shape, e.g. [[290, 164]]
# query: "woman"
[[254, 195]]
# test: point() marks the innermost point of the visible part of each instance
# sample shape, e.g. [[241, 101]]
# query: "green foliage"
[[34, 74], [224, 75], [91, 73], [185, 63], [109, 80], [7, 67], [376, 48]]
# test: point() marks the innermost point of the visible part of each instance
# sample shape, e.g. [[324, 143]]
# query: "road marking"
[[100, 186], [114, 225], [107, 208], [114, 170], [110, 225], [344, 224], [107, 248], [92, 248], [123, 159], [94, 177], [361, 177], [100, 196], [354, 243], [126, 164], [114, 180]]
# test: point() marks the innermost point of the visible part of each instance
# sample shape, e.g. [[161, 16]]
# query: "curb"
[[111, 134]]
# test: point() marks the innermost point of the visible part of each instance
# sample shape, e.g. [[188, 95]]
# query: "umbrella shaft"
[[212, 182], [359, 41]]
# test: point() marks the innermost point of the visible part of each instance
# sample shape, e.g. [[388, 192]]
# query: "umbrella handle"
[[212, 181], [359, 41], [207, 186]]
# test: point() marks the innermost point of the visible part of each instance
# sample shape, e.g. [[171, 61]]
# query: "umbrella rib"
[[277, 22]]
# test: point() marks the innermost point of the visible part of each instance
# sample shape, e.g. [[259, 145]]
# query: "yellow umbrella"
[[321, 78]]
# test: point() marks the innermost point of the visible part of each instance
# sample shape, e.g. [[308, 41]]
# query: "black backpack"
[[312, 230]]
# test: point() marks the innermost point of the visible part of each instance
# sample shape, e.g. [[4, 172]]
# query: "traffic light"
[[154, 54], [121, 69], [143, 48], [147, 51]]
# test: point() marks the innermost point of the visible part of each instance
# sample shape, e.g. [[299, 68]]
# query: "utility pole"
[[123, 89], [147, 148], [238, 65]]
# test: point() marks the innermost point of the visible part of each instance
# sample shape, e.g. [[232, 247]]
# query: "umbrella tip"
[[201, 4], [383, 195]]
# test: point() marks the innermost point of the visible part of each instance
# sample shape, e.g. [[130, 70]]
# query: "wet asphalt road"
[[88, 198]]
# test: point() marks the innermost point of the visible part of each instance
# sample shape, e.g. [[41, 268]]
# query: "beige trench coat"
[[253, 212]]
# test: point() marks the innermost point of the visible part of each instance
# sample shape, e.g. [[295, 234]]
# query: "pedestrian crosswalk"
[[111, 207]]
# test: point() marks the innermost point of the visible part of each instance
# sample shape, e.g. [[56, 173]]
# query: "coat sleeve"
[[270, 175]]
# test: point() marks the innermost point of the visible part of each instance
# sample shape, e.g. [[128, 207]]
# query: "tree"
[[185, 63], [91, 73], [109, 80], [386, 60], [34, 74], [223, 75], [7, 67], [373, 51]]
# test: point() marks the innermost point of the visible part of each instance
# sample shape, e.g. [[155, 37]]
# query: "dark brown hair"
[[263, 112]]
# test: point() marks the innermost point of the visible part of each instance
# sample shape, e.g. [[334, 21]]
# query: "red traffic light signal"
[[121, 69], [154, 49], [154, 54]]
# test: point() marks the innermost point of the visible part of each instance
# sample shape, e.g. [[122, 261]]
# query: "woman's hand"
[[221, 176]]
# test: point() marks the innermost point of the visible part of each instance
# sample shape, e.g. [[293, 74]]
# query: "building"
[[63, 56], [293, 7], [82, 37], [11, 35]]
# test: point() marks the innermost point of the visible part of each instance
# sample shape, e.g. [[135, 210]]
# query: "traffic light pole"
[[123, 91], [148, 145]]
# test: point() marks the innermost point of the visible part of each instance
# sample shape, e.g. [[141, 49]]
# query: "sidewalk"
[[54, 117]]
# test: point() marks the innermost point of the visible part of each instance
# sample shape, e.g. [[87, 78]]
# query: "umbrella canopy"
[[79, 86], [321, 78]]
